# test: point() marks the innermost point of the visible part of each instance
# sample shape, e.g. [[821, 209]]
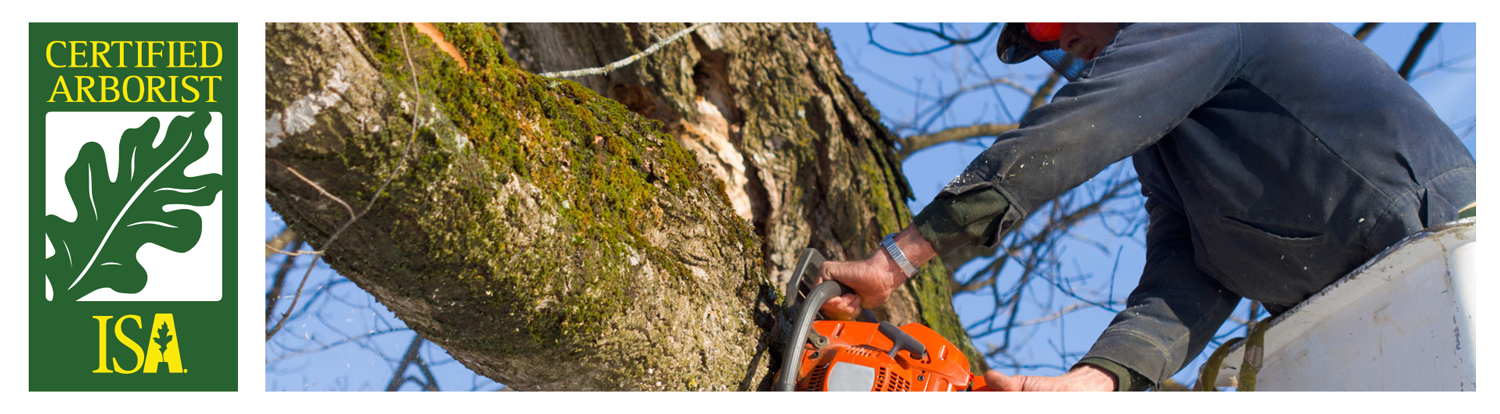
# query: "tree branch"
[[940, 33], [911, 145], [1040, 97], [280, 241], [606, 69], [1365, 30], [279, 279], [1423, 38], [406, 360]]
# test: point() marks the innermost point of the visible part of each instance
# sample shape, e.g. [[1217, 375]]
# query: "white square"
[[196, 275]]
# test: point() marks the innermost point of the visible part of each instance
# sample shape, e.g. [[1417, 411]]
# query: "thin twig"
[[281, 241], [320, 189], [606, 69], [939, 33], [294, 253], [331, 345], [416, 116], [279, 279]]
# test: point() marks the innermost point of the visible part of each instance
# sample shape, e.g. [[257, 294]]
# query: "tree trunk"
[[551, 238]]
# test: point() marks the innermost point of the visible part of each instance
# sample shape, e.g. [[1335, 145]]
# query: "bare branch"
[[940, 33], [1064, 311], [1423, 39], [280, 241], [606, 69], [1364, 31], [272, 250], [1040, 97], [279, 279], [920, 142], [331, 345], [406, 360]]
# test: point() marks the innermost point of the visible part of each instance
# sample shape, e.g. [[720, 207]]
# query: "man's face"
[[1086, 40]]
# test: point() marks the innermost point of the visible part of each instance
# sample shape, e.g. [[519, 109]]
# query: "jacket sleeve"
[[1173, 313], [1141, 86]]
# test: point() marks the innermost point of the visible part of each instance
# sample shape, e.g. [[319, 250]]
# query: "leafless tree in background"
[[1035, 251]]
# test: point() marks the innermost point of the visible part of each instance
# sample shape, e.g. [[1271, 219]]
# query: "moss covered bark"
[[552, 238], [546, 237], [815, 165]]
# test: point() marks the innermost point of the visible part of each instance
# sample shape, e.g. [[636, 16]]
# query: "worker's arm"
[[1142, 86], [1171, 315]]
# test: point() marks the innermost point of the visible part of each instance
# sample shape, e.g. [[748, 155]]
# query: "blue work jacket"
[[1274, 159]]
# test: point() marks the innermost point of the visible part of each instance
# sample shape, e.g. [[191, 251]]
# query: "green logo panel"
[[132, 194]]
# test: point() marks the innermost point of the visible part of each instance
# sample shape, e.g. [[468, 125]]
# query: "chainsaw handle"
[[791, 356], [901, 340]]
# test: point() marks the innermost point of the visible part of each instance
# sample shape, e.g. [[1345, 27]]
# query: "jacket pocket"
[[1271, 263]]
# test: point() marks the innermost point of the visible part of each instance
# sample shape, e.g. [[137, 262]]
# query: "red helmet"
[[1044, 32], [1020, 41]]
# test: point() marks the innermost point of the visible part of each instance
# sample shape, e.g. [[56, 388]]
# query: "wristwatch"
[[889, 242]]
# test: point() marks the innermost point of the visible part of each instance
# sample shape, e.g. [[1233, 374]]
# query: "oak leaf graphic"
[[116, 217], [162, 337]]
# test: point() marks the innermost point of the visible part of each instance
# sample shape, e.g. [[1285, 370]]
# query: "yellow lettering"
[[49, 54], [84, 90], [218, 53], [190, 88], [125, 88], [100, 54], [74, 53], [211, 85], [156, 83], [152, 53], [183, 54], [129, 343], [103, 322], [63, 86], [105, 87], [167, 349], [171, 52], [121, 44]]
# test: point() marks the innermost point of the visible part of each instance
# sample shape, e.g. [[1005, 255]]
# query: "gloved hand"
[[874, 278]]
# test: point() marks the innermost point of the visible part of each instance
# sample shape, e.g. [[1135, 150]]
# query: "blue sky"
[[342, 310]]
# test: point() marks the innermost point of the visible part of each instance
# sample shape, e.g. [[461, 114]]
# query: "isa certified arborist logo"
[[133, 131]]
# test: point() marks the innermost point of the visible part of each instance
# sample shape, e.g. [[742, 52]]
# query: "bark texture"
[[552, 238]]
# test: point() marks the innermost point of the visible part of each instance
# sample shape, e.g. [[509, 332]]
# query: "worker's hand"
[[1083, 378], [874, 278]]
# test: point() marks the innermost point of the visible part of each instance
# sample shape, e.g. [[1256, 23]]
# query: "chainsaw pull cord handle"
[[791, 358]]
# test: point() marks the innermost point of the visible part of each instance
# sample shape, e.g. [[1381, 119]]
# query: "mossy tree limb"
[[546, 237], [770, 110], [551, 238]]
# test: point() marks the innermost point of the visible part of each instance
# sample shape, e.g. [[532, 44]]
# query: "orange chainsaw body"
[[857, 352]]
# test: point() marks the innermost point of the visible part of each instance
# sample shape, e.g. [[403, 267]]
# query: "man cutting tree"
[[1274, 158]]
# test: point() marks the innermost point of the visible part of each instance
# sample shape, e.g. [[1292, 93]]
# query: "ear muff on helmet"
[[1019, 42]]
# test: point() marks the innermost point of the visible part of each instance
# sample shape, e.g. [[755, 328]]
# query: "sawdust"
[[437, 38]]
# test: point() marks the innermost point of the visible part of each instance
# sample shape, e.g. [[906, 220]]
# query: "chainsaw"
[[833, 355]]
